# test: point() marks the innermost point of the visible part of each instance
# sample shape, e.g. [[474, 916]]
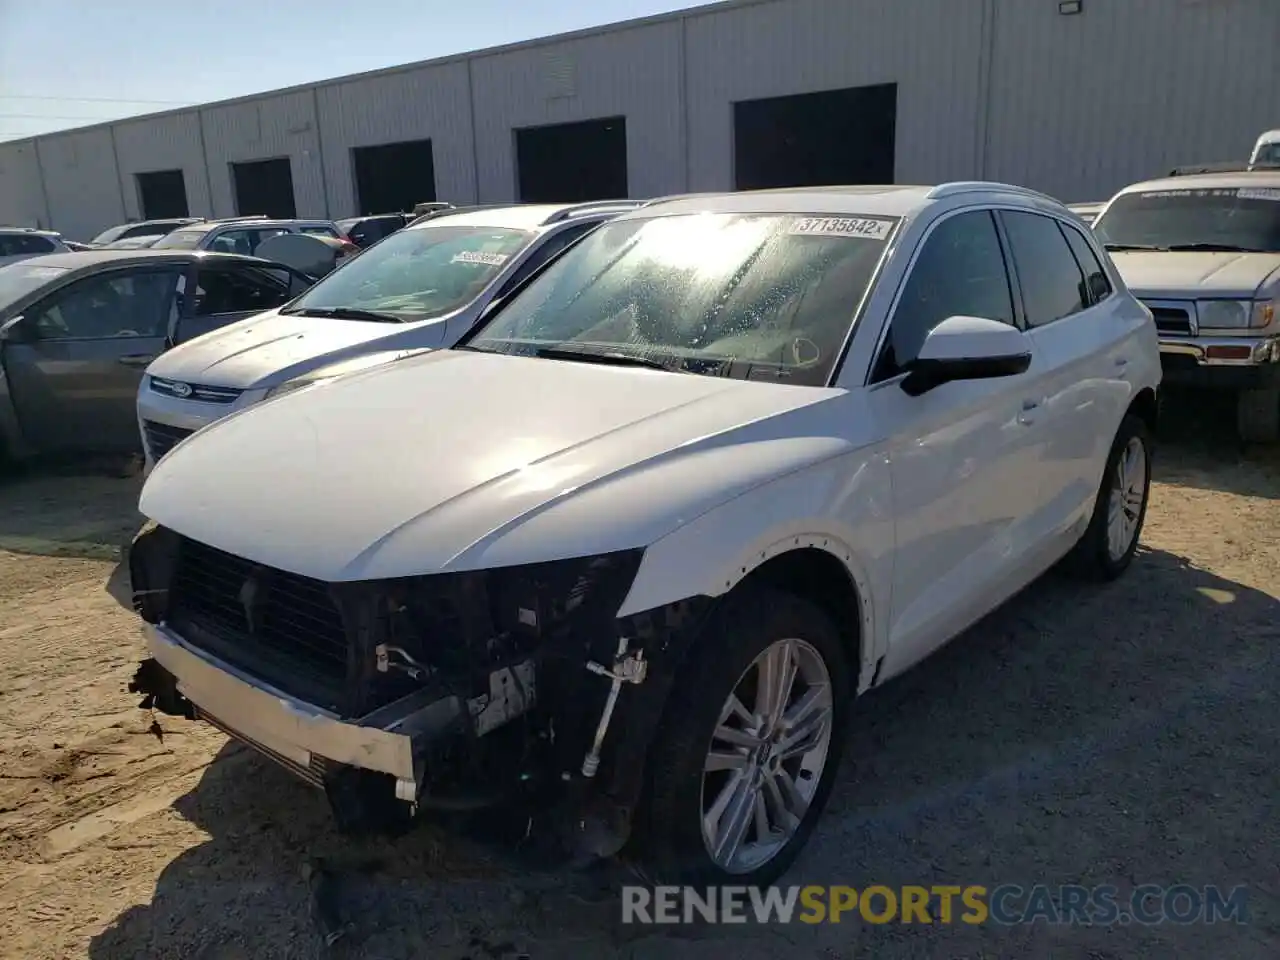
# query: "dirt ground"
[[1126, 734]]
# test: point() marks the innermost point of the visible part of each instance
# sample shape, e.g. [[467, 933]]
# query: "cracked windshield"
[[415, 274], [746, 296]]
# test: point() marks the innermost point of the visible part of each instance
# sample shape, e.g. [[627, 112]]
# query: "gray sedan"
[[78, 329]]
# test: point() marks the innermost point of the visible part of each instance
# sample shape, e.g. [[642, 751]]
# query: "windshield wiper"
[[1214, 247], [344, 313], [1132, 246], [612, 359]]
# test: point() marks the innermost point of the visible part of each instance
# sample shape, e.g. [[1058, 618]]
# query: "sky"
[[67, 63]]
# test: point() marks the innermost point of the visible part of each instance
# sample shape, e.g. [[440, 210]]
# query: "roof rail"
[[248, 216], [578, 209], [975, 186], [1229, 166]]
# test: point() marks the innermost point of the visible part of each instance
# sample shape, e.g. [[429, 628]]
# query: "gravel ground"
[[1118, 735]]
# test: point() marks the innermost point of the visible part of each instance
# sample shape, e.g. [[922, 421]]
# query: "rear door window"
[[1051, 282], [238, 290]]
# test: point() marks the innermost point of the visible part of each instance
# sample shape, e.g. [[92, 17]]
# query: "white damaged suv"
[[634, 546]]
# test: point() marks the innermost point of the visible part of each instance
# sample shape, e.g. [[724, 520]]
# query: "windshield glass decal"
[[866, 227], [480, 257]]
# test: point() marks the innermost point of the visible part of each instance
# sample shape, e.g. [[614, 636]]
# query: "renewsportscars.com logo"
[[1006, 904]]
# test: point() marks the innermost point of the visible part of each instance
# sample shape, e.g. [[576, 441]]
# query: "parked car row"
[[617, 508]]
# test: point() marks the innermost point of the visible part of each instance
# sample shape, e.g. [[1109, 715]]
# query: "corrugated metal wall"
[[428, 103], [21, 193], [266, 128], [169, 142], [1005, 89], [1082, 105], [633, 73], [928, 47], [82, 182]]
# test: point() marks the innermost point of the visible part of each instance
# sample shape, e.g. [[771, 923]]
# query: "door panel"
[[1071, 329], [964, 462], [964, 457], [75, 375]]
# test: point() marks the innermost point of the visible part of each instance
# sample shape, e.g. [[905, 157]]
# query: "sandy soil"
[[1125, 734]]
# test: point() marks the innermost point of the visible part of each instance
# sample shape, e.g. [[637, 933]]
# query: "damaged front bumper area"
[[305, 738], [452, 691]]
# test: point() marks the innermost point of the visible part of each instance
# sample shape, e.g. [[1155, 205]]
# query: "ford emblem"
[[182, 390]]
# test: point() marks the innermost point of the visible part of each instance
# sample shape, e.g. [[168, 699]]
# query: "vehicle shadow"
[[1122, 734], [68, 513], [1199, 447]]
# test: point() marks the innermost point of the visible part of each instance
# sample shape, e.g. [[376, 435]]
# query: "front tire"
[[1258, 415], [1108, 545], [749, 745]]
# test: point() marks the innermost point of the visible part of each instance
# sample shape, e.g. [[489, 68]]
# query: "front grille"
[[1172, 320], [282, 627], [193, 391], [161, 438]]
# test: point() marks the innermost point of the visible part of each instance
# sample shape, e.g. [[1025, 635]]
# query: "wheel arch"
[[807, 567], [1146, 407]]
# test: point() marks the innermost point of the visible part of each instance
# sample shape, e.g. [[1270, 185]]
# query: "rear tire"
[[783, 765], [1258, 415], [1120, 509]]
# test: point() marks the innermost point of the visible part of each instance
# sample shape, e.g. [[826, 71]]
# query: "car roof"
[[85, 259], [1208, 181], [36, 231], [208, 226], [888, 200], [527, 216]]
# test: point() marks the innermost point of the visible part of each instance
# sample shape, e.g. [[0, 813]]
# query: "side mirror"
[[15, 330], [1099, 287], [967, 348]]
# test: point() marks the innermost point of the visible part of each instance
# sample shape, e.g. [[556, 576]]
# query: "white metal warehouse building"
[[1074, 97]]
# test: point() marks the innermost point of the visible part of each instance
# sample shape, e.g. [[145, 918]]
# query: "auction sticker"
[[865, 227], [1258, 193], [479, 256]]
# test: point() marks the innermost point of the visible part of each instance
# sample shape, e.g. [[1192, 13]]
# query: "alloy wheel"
[[766, 756]]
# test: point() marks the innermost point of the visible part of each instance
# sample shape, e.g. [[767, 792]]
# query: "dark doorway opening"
[[393, 177], [162, 194], [814, 139], [264, 186], [573, 162]]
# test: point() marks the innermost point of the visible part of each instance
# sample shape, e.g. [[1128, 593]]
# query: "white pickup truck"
[[1203, 253]]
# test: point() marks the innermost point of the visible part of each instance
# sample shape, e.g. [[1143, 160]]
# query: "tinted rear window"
[[181, 240]]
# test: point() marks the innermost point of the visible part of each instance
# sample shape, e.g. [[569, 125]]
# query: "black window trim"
[[1063, 225], [241, 267], [176, 267], [1015, 292]]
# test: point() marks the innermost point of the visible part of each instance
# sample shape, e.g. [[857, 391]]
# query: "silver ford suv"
[[420, 288]]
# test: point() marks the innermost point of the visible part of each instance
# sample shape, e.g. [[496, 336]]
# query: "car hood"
[[456, 460], [270, 348], [1186, 275]]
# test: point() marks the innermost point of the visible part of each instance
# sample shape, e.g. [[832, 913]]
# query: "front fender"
[[842, 506]]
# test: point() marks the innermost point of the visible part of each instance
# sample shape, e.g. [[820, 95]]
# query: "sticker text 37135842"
[[867, 228]]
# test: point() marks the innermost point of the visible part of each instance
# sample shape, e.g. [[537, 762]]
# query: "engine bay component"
[[626, 669]]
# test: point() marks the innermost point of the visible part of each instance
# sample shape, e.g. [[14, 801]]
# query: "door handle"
[[1122, 361], [1029, 408], [136, 359]]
